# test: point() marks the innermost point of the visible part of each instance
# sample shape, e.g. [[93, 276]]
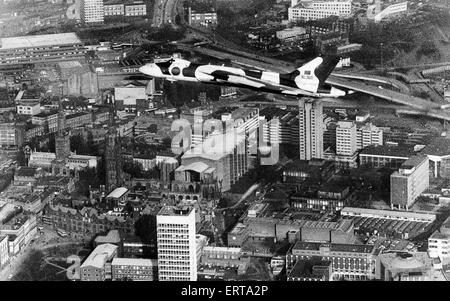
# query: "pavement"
[[48, 239]]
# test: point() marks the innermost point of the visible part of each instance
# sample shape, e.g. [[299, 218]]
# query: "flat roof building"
[[136, 269], [177, 249], [318, 9], [385, 156], [409, 181], [402, 266], [97, 267], [311, 129], [41, 48], [348, 260], [92, 11], [311, 270]]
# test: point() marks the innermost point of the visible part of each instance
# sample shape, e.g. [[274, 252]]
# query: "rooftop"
[[100, 256], [301, 245], [113, 236], [175, 211], [216, 146], [334, 186], [272, 112], [199, 167], [24, 171], [438, 147], [389, 151], [308, 166], [406, 261], [239, 228], [309, 268], [439, 235], [414, 161], [135, 262], [40, 40], [243, 113], [446, 223], [118, 192], [46, 114], [69, 64]]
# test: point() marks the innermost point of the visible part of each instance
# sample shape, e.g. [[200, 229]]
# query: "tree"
[[153, 128]]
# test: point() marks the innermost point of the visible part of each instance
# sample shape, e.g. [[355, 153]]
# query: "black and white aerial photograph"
[[199, 142]]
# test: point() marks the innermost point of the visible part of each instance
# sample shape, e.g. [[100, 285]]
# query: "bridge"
[[390, 95]]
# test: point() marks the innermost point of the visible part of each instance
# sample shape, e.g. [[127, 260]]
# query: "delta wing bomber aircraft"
[[307, 80]]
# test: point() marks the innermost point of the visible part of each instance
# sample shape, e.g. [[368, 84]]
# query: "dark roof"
[[277, 194], [315, 246], [282, 114], [438, 147], [25, 171], [307, 166], [446, 223], [414, 161], [404, 151], [308, 268], [46, 114], [334, 186], [77, 114]]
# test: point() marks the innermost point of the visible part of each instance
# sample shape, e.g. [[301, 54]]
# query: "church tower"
[[62, 144], [113, 153]]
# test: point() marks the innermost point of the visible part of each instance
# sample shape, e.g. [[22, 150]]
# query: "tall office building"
[[92, 11], [412, 178], [310, 129], [368, 135], [177, 250], [346, 138]]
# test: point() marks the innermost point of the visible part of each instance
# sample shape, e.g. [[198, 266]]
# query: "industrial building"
[[41, 49]]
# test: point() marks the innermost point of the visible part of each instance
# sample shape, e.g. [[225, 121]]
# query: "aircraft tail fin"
[[312, 75], [320, 67]]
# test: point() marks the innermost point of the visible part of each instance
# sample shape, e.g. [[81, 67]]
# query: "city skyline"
[[202, 141]]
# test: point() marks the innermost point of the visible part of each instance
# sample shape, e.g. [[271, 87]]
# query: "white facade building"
[[391, 11], [313, 10], [346, 138], [367, 135], [4, 253], [92, 11], [29, 108], [439, 242], [311, 128], [177, 249], [412, 178]]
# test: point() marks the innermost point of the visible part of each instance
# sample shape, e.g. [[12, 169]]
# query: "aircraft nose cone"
[[337, 92], [150, 69]]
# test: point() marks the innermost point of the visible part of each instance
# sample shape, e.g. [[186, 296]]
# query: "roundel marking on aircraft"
[[175, 71]]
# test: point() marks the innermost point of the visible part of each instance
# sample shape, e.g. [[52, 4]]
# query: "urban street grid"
[[224, 140]]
